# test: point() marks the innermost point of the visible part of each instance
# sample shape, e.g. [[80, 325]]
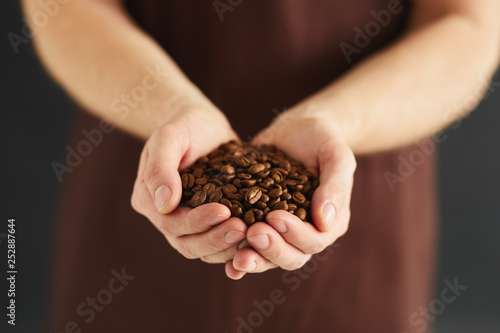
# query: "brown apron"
[[116, 273]]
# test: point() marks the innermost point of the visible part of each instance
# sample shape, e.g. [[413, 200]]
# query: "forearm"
[[112, 68], [406, 91]]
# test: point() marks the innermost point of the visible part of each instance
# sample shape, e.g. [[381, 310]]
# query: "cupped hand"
[[206, 232], [286, 241]]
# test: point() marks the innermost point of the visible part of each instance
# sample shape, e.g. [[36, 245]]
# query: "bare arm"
[[405, 92], [399, 95], [95, 51]]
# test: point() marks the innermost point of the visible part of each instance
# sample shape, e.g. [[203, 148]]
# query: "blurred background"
[[36, 120]]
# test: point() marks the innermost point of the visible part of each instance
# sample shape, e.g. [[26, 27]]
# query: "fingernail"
[[243, 244], [328, 215], [233, 236], [216, 219], [279, 225], [251, 267], [260, 242], [163, 194]]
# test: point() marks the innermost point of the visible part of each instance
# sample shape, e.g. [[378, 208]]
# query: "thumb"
[[336, 170], [161, 176]]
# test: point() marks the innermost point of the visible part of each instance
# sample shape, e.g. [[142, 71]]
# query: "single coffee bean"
[[264, 198], [298, 198], [249, 217], [286, 196], [228, 169], [260, 205], [301, 213], [275, 193], [242, 161], [259, 215], [282, 205], [229, 188], [209, 188], [284, 164], [248, 182], [236, 211], [226, 202], [263, 174], [272, 202], [256, 168], [198, 198], [244, 176], [235, 196], [216, 196], [253, 195], [201, 181], [198, 172], [227, 177], [266, 182], [237, 182], [292, 207]]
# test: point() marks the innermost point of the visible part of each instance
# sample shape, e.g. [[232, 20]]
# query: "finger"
[[233, 273], [270, 245], [217, 239], [221, 256], [336, 169], [248, 260], [182, 221], [166, 148], [300, 234]]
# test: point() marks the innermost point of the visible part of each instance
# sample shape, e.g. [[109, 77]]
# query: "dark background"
[[35, 123]]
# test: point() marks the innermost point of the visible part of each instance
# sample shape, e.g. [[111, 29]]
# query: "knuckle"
[[186, 251], [273, 253], [151, 174]]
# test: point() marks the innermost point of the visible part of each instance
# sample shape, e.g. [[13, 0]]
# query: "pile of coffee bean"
[[251, 181]]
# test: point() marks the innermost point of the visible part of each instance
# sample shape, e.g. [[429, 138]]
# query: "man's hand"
[[206, 232], [286, 241]]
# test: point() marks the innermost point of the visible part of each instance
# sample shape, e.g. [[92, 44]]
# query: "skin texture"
[[450, 47]]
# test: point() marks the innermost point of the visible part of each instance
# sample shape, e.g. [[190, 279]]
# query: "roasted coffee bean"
[[201, 181], [259, 215], [227, 177], [275, 193], [301, 213], [235, 196], [236, 211], [198, 172], [209, 188], [198, 188], [286, 196], [253, 195], [229, 188], [263, 174], [228, 169], [198, 198], [260, 205], [272, 202], [292, 206], [216, 196], [237, 182], [249, 217], [248, 182], [298, 198], [264, 198], [282, 205], [216, 181], [266, 182], [276, 176], [256, 168], [237, 203], [284, 164], [244, 176], [226, 202], [187, 180], [242, 161]]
